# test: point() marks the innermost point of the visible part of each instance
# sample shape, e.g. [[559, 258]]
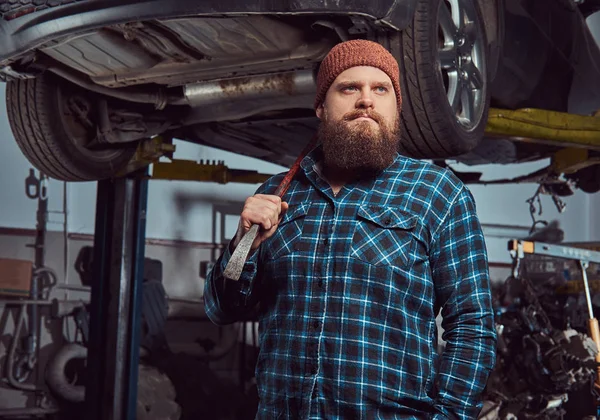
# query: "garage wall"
[[594, 208]]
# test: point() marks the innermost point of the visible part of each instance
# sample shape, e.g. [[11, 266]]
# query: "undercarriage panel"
[[180, 51]]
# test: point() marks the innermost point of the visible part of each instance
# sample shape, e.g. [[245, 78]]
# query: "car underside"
[[240, 76]]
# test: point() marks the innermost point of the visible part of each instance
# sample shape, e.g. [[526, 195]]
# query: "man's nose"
[[365, 100]]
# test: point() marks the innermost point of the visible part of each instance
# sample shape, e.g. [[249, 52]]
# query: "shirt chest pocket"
[[383, 236], [287, 237]]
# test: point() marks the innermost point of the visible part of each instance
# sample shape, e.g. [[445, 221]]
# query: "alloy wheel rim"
[[461, 59]]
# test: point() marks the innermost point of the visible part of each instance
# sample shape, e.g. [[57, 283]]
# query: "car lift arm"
[[545, 127]]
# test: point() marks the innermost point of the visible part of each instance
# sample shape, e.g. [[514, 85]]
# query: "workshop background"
[[188, 222]]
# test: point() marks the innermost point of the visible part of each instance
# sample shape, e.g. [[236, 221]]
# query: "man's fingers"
[[265, 211], [267, 221], [275, 199], [263, 235], [284, 208], [266, 234]]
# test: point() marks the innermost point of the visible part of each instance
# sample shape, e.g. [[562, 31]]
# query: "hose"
[[55, 373]]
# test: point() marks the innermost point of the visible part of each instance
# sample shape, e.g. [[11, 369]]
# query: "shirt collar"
[[314, 161], [312, 165], [312, 158]]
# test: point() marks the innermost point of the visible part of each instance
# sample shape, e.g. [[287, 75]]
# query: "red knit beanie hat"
[[357, 52]]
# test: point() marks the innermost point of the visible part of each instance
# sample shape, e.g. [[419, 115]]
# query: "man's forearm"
[[461, 276]]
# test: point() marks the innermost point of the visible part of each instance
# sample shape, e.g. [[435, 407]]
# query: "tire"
[[9, 9], [52, 137], [431, 127]]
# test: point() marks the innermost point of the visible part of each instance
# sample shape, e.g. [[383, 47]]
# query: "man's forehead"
[[363, 74]]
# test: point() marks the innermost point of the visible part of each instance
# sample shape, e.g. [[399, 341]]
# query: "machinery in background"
[[547, 343], [27, 286], [156, 392], [119, 366], [173, 384], [58, 384]]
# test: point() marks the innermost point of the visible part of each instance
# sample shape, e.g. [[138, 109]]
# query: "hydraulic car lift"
[[115, 306], [111, 391], [577, 136]]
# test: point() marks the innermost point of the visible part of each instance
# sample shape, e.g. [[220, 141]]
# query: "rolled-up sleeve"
[[461, 276]]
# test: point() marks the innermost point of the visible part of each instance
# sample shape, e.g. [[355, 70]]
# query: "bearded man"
[[350, 270]]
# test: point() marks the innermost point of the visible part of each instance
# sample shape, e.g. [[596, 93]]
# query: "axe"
[[234, 267]]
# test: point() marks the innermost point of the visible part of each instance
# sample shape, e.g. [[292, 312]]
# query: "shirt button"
[[387, 222], [316, 324], [326, 241], [320, 282]]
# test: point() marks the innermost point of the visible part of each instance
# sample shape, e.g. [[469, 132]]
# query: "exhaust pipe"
[[291, 84], [231, 99], [220, 100]]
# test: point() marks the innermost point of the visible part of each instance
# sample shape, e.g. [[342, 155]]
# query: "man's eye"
[[381, 89], [349, 89]]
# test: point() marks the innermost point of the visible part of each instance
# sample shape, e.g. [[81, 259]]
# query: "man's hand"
[[263, 210]]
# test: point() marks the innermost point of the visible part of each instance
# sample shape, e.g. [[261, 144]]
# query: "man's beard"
[[362, 146]]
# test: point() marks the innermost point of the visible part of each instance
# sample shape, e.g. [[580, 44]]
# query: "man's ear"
[[320, 111]]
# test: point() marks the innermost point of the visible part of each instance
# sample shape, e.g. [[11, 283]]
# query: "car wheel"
[[444, 66], [52, 122]]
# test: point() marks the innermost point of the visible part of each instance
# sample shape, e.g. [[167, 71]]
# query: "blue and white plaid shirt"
[[348, 289]]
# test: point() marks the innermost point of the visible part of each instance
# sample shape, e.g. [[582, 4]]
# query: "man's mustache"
[[357, 113]]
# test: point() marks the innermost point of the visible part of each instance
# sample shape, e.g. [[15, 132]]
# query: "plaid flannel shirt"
[[348, 289]]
